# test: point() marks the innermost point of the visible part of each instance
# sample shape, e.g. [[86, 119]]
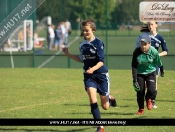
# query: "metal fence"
[[122, 62], [119, 39]]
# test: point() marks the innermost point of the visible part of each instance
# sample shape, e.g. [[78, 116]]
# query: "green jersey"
[[145, 63]]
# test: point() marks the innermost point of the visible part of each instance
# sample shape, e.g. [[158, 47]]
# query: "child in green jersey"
[[144, 61]]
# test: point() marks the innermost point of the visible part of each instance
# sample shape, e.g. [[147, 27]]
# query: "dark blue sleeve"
[[138, 42], [100, 51], [163, 44]]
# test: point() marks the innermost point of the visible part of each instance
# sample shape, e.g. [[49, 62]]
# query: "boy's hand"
[[162, 71], [136, 86]]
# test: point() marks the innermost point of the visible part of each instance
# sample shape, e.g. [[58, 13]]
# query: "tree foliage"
[[127, 11], [95, 9], [57, 9], [120, 11], [73, 9]]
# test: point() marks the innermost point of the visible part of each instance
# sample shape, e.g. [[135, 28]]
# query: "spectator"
[[68, 26], [48, 35], [63, 29], [59, 37], [66, 35], [28, 35], [37, 43], [21, 38], [51, 36]]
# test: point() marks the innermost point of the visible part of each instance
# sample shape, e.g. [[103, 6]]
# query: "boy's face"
[[152, 26], [88, 33], [144, 46]]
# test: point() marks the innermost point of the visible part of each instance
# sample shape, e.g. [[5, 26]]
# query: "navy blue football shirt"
[[156, 41], [91, 53]]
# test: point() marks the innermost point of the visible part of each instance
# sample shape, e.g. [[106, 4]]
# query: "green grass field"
[[59, 93]]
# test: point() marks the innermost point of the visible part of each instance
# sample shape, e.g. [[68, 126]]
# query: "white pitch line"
[[53, 56], [29, 106]]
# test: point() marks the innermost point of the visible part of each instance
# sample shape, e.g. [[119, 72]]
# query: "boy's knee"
[[105, 107]]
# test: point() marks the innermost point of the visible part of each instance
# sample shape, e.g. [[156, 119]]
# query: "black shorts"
[[150, 80]]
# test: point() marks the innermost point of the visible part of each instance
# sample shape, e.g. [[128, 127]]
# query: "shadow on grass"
[[77, 105], [140, 117], [156, 100], [129, 99], [98, 105], [123, 106], [165, 100], [104, 113], [44, 130], [117, 113]]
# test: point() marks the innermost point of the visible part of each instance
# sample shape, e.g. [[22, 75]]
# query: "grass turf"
[[59, 93]]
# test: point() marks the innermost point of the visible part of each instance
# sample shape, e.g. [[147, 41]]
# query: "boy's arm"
[[94, 68], [134, 72], [164, 47], [158, 60], [134, 65], [73, 57], [159, 63]]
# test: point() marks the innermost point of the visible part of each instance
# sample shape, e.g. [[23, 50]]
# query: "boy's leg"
[[112, 101], [104, 91], [93, 102], [141, 93], [105, 102], [151, 88], [94, 106], [154, 96]]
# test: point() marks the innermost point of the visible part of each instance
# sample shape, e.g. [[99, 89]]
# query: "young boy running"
[[96, 77], [144, 61]]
